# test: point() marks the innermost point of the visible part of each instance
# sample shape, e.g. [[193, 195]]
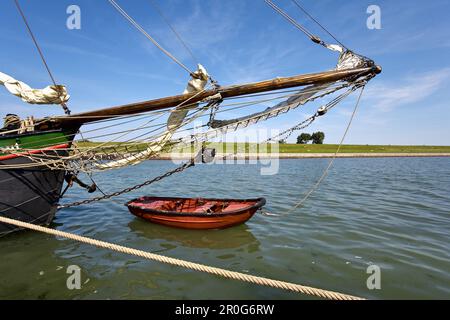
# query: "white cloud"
[[384, 97], [70, 49], [210, 24], [205, 25], [255, 64]]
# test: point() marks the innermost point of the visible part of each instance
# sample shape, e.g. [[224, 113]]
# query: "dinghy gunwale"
[[258, 203]]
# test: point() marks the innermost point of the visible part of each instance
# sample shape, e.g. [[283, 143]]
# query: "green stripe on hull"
[[36, 140]]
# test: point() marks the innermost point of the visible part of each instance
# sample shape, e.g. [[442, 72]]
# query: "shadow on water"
[[231, 238]]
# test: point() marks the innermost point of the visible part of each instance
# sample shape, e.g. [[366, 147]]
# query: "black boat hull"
[[30, 195], [29, 191]]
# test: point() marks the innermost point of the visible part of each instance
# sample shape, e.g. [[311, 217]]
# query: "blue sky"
[[108, 63]]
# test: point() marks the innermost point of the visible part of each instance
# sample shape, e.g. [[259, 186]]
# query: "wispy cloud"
[[386, 96], [255, 64], [70, 49], [212, 30], [206, 24], [150, 76], [210, 23]]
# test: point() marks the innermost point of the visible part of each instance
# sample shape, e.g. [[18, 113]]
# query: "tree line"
[[316, 138]]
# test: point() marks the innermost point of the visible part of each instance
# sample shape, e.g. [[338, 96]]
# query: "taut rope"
[[180, 39], [149, 37], [330, 164], [318, 23], [38, 48]]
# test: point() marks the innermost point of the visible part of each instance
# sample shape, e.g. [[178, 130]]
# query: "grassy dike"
[[287, 148], [331, 148]]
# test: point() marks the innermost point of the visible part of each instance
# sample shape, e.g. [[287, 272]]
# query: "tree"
[[318, 137], [303, 138], [282, 141]]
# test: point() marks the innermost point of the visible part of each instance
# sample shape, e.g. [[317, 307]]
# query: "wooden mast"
[[225, 92]]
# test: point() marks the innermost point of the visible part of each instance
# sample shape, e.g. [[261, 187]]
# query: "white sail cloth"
[[347, 58], [175, 121], [49, 95]]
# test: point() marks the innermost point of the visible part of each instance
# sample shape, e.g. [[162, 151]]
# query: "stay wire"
[[64, 106], [139, 28], [290, 19], [330, 164], [318, 23], [180, 39]]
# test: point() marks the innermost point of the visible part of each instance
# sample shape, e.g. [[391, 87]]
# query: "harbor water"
[[393, 213]]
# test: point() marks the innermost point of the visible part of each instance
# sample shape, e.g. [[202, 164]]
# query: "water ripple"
[[390, 212]]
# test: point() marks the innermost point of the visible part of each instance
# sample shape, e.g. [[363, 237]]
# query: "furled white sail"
[[196, 84], [49, 95]]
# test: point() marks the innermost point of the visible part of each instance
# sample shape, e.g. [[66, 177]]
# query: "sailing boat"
[[38, 155]]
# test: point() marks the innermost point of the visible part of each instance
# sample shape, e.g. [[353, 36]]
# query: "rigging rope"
[[187, 264], [321, 111], [130, 189], [138, 27], [86, 159], [180, 39], [330, 164], [234, 106], [64, 106], [290, 19], [318, 23], [244, 122]]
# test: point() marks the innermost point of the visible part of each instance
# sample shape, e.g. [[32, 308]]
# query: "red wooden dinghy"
[[195, 213]]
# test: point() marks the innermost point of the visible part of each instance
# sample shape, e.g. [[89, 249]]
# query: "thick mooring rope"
[[186, 264]]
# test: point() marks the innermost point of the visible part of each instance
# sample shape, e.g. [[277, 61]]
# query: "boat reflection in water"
[[231, 238]]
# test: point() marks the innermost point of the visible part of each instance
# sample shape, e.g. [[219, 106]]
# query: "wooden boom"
[[225, 92]]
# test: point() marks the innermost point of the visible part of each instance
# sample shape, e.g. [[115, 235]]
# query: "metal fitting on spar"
[[378, 69]]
